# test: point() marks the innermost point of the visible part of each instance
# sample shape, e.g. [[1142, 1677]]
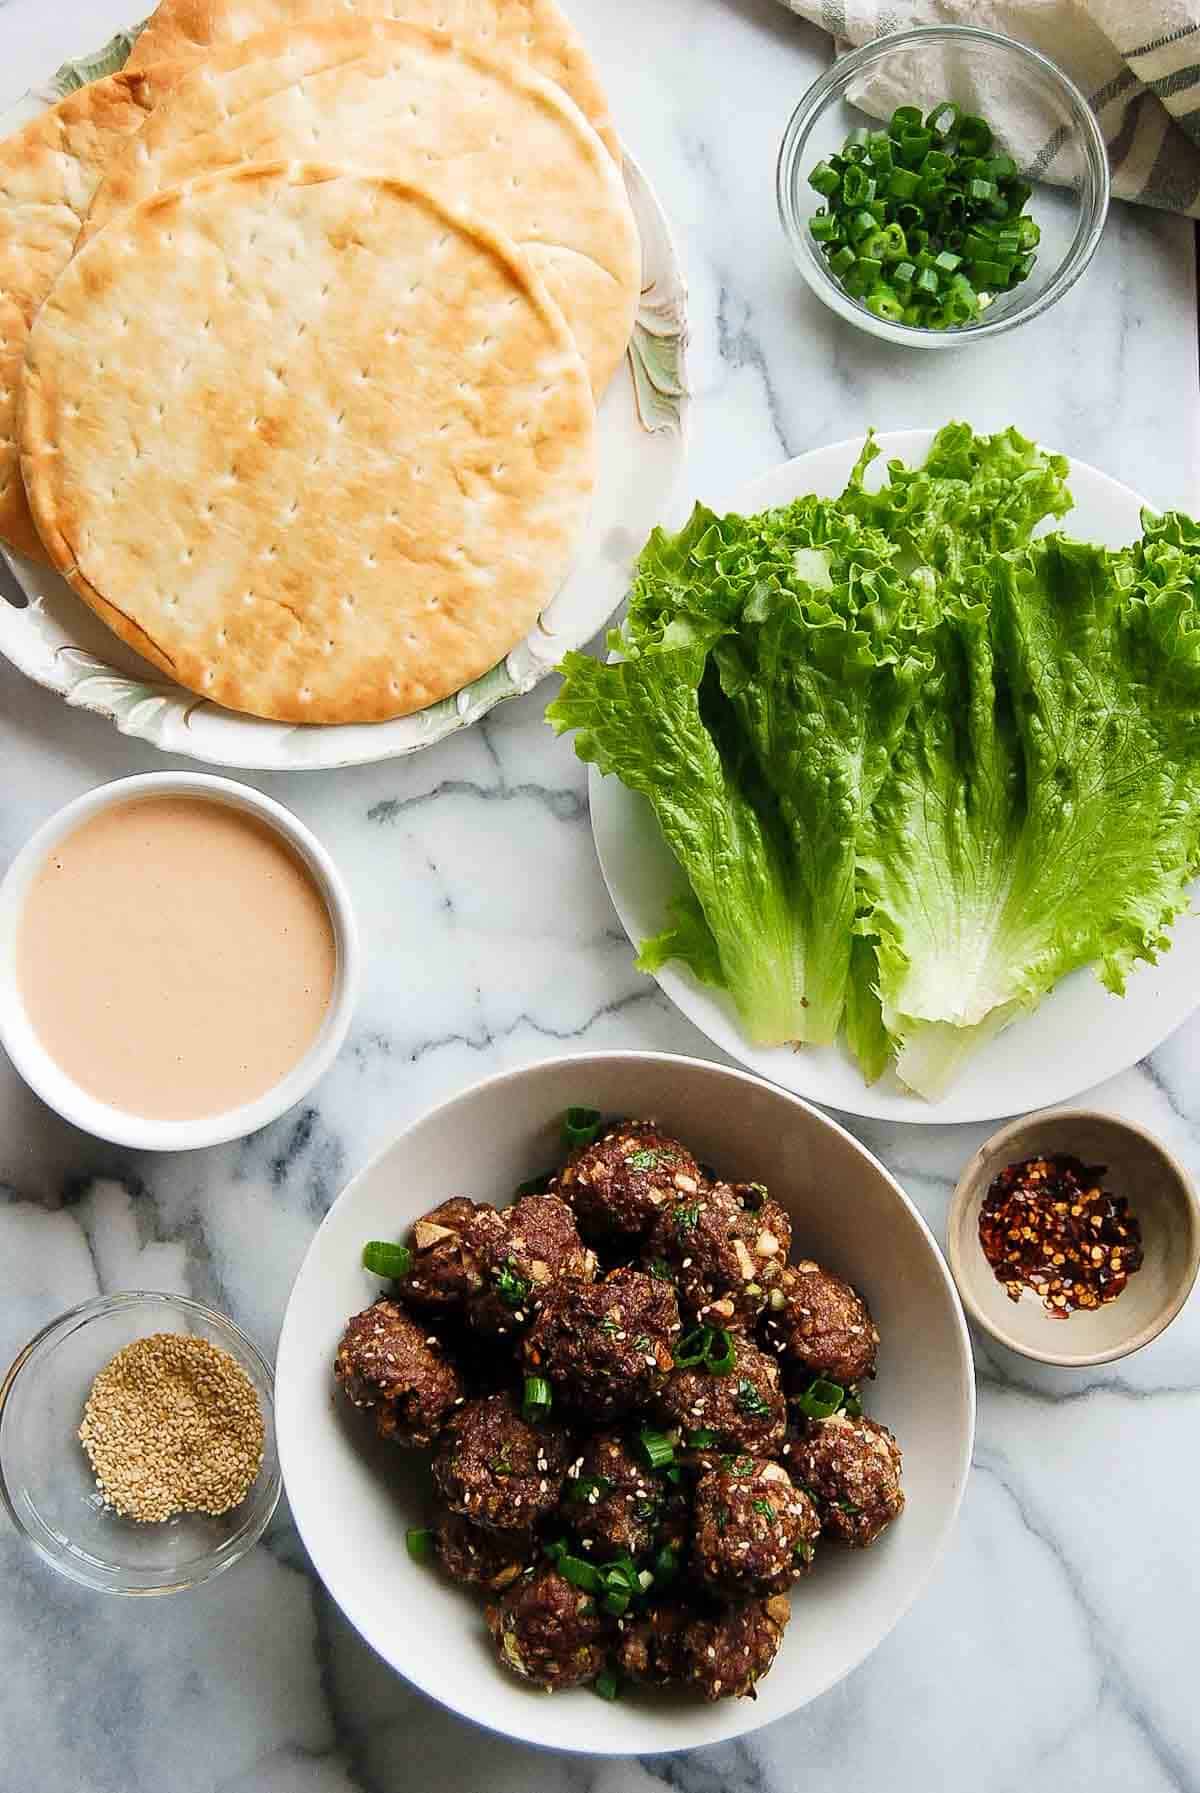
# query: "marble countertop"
[[1055, 1647]]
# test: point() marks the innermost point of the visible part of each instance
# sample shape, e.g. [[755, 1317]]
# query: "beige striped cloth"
[[1138, 62]]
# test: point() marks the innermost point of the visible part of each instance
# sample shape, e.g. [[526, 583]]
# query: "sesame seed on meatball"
[[727, 1653], [612, 1500], [388, 1363], [445, 1270]]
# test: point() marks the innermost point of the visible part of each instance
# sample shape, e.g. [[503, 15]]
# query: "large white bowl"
[[352, 1499]]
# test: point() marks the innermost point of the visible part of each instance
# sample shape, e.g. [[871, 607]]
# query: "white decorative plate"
[[1080, 1034], [57, 641]]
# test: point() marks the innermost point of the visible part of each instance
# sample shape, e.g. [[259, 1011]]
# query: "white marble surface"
[[1056, 1648]]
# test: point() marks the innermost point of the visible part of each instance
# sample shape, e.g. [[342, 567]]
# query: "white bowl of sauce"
[[178, 961]]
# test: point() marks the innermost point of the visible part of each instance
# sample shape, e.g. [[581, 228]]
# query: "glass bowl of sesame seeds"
[[137, 1443]]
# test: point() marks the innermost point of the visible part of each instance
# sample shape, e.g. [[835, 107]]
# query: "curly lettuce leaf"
[[1040, 813]]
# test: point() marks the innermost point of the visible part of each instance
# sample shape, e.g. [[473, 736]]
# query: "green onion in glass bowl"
[[906, 186]]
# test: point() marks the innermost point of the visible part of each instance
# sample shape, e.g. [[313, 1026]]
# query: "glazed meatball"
[[754, 1531], [612, 1501], [536, 1248], [621, 1182], [547, 1631], [650, 1648], [725, 1655], [819, 1326], [724, 1257], [481, 1559], [387, 1363], [851, 1467], [445, 1270], [743, 1411], [496, 1469], [607, 1347]]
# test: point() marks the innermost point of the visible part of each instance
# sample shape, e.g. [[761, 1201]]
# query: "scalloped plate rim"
[[171, 710]]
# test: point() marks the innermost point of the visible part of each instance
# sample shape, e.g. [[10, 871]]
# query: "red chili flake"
[[1047, 1224]]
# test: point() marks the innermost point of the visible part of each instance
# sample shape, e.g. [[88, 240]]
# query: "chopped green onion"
[[933, 199], [580, 1126], [537, 1398], [943, 119], [418, 1541], [617, 1604], [750, 1401], [579, 1573], [511, 1288], [382, 1258], [607, 1685], [721, 1355], [821, 1399], [657, 1448], [692, 1348], [702, 1440]]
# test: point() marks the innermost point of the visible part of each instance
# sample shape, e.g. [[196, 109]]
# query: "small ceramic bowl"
[[79, 1106], [46, 1481], [1162, 1197], [1045, 117]]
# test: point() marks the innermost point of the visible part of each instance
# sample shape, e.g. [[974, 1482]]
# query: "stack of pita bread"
[[304, 317]]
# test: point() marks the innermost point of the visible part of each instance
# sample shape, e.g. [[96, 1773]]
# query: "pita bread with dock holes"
[[474, 129], [316, 445], [48, 173], [535, 31]]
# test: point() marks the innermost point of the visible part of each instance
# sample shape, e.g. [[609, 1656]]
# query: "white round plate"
[[1079, 1035], [59, 643], [353, 1497]]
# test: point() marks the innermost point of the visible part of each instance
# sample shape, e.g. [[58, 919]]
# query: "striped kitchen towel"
[[1138, 62]]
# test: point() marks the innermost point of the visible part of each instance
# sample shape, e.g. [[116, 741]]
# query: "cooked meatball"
[[819, 1326], [743, 1411], [650, 1648], [727, 1654], [619, 1184], [851, 1467], [482, 1559], [535, 1249], [612, 1501], [388, 1363], [607, 1347], [754, 1531], [724, 1257], [547, 1630], [445, 1270], [497, 1469]]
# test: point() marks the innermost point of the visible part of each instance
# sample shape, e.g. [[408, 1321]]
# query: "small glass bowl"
[[46, 1481], [1043, 112]]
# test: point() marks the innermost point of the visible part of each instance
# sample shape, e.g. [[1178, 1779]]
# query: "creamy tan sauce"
[[175, 957]]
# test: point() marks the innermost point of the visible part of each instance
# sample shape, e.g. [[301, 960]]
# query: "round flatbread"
[[313, 443], [48, 173], [472, 128], [535, 31]]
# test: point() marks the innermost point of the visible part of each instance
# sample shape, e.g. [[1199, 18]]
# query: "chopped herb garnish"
[[661, 1270], [750, 1401], [502, 1463], [610, 1324], [511, 1288], [722, 1517], [582, 1488], [764, 1507], [738, 1465], [821, 1399], [687, 1218], [702, 1440], [645, 1160], [847, 1506], [804, 1551], [642, 1343]]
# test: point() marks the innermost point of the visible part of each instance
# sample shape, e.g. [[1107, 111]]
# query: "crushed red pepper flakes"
[[1047, 1224]]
